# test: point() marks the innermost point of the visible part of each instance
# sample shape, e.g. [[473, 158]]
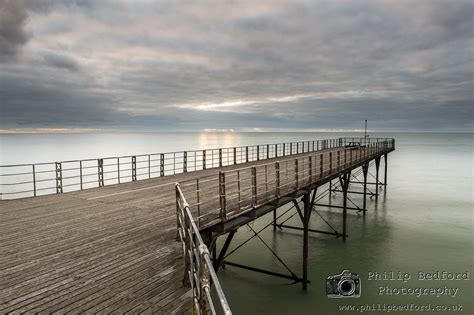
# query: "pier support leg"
[[365, 171], [220, 259], [344, 179], [385, 170], [377, 166], [306, 216]]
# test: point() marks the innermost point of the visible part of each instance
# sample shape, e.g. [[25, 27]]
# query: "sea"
[[411, 253]]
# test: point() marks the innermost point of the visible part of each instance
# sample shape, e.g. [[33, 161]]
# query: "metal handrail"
[[23, 180], [242, 189], [199, 271]]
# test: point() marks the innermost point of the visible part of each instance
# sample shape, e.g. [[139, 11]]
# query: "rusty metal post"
[[203, 159], [220, 157], [222, 198], [59, 178], [185, 162], [134, 168], [162, 165], [203, 280], [100, 172]]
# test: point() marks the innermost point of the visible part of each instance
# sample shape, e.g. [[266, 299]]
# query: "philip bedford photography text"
[[438, 278], [422, 284]]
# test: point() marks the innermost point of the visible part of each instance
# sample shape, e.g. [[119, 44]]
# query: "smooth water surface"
[[422, 221]]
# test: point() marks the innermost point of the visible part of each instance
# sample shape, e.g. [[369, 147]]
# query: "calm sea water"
[[421, 223]]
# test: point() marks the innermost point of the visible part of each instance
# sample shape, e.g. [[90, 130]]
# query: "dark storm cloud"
[[12, 34], [242, 65]]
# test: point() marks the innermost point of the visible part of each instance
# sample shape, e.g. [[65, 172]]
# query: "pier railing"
[[199, 271], [223, 196], [24, 180]]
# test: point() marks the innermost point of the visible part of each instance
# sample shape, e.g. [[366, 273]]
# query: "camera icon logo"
[[343, 285]]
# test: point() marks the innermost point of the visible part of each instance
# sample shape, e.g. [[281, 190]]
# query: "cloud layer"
[[404, 65]]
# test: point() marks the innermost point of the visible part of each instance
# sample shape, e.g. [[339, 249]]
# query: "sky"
[[236, 65]]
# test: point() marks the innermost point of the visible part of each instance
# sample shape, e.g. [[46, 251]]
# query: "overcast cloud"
[[190, 65]]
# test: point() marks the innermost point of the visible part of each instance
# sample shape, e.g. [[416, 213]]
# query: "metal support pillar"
[[365, 171], [218, 262], [344, 179], [377, 165], [306, 216], [385, 156]]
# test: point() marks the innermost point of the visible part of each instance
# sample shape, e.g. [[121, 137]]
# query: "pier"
[[138, 233]]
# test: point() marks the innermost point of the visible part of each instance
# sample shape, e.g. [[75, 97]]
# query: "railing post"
[[235, 155], [149, 166], [254, 186], [134, 168], [198, 199], [310, 165], [277, 179], [203, 280], [80, 173], [258, 152], [100, 171], [330, 162], [297, 148], [34, 180], [246, 154], [185, 162], [321, 165], [220, 157], [59, 178], [222, 195], [203, 159], [284, 149], [313, 145], [296, 173], [276, 150], [268, 151], [291, 148], [338, 159], [162, 165]]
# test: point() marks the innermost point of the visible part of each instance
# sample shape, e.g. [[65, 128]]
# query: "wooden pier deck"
[[111, 249]]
